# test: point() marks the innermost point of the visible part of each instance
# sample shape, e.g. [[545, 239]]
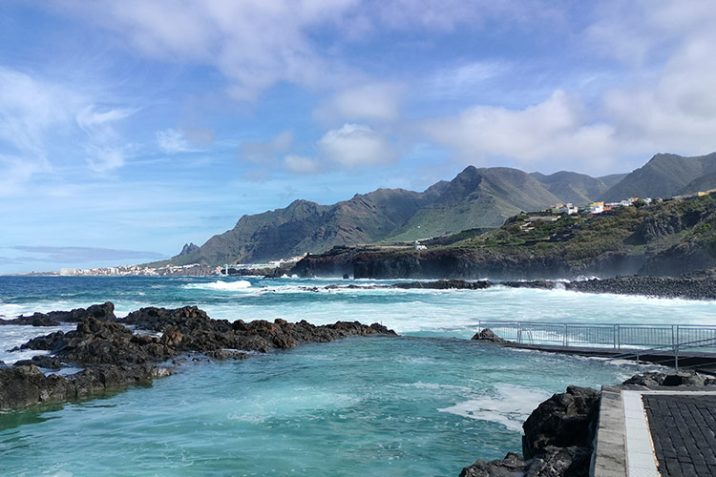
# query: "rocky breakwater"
[[559, 435], [113, 355], [695, 288], [104, 311]]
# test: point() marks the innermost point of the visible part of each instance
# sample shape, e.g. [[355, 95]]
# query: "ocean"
[[424, 404]]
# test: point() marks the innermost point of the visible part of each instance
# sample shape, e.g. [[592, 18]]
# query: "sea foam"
[[220, 285], [509, 405]]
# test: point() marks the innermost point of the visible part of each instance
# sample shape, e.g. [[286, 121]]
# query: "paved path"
[[682, 429], [652, 433]]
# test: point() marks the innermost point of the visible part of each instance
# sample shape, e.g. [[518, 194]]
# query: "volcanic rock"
[[114, 357], [564, 420], [104, 311], [488, 335]]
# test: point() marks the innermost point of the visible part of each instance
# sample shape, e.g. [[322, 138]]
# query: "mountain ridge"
[[476, 198]]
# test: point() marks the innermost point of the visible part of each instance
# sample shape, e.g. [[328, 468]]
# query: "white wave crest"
[[220, 285]]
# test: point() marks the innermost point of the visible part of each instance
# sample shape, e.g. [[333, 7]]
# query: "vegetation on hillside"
[[632, 230]]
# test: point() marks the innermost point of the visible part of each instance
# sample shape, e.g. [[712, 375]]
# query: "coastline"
[[690, 288], [114, 354]]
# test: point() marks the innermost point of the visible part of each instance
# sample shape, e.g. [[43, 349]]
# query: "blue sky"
[[130, 127]]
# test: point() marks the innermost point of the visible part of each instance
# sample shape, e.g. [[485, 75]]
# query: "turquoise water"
[[425, 404]]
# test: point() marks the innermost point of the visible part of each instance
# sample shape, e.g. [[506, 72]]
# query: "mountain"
[[305, 226], [612, 179], [474, 199], [665, 175], [579, 189], [703, 183], [189, 248], [672, 237]]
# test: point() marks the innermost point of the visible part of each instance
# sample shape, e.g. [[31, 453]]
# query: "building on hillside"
[[419, 246], [596, 207], [569, 209]]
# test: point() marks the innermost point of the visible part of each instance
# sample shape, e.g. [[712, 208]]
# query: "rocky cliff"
[[669, 238]]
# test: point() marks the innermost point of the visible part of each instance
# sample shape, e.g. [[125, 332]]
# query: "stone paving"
[[683, 431]]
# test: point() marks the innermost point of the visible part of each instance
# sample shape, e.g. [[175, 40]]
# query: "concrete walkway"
[[652, 433]]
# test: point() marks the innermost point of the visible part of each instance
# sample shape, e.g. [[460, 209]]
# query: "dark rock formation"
[[557, 439], [23, 386], [114, 357], [510, 466], [488, 335], [540, 284], [102, 342], [559, 434], [564, 420], [104, 311], [656, 380], [192, 330], [446, 284], [701, 288]]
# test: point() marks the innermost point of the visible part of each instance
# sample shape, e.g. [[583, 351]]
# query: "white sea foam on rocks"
[[507, 404]]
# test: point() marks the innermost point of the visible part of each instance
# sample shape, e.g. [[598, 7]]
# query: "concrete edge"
[[609, 457]]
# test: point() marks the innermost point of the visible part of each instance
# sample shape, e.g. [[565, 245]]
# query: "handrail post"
[[614, 336], [678, 335], [519, 333], [676, 357], [565, 341]]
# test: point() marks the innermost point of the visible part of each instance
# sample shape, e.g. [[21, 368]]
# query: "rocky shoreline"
[[687, 287], [114, 354], [559, 435], [149, 343], [692, 288]]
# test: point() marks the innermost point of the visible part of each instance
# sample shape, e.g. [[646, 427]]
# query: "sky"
[[129, 127]]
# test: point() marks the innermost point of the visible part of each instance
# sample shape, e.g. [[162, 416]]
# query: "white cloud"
[[669, 103], [172, 141], [462, 80], [639, 31], [300, 164], [447, 15], [555, 130], [372, 101], [102, 159], [14, 172], [36, 115], [355, 145], [665, 100], [256, 44], [90, 117], [29, 110]]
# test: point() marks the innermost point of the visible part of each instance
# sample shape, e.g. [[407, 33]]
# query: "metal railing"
[[675, 350], [615, 337]]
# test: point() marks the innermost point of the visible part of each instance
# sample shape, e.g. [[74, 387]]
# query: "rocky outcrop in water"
[[104, 311], [114, 356], [694, 286], [559, 434], [26, 385], [489, 336], [683, 287], [446, 285], [557, 439]]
